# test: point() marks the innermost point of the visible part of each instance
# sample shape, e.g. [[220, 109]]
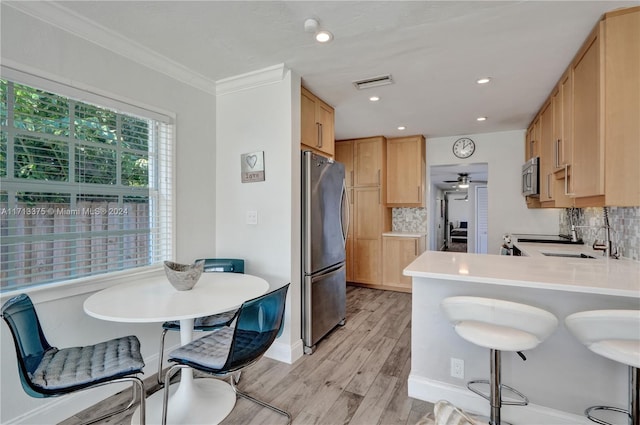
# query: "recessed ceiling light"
[[481, 119], [402, 127], [483, 80], [374, 98], [323, 36]]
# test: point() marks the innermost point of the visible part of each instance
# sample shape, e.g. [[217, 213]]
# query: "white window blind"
[[84, 189]]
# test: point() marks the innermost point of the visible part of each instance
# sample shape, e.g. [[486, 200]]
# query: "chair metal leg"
[[165, 399], [137, 387], [260, 402], [161, 357]]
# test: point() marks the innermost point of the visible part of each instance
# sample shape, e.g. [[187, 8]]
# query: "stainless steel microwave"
[[530, 177]]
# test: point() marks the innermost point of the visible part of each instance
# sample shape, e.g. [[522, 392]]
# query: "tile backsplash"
[[624, 221], [413, 220]]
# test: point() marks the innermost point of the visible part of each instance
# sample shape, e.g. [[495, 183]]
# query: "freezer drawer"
[[324, 305]]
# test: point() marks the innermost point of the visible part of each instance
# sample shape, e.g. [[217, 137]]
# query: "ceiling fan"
[[464, 180]]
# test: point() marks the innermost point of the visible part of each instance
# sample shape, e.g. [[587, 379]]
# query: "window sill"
[[70, 288]]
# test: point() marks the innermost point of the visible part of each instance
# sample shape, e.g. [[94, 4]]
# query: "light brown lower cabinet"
[[397, 253]]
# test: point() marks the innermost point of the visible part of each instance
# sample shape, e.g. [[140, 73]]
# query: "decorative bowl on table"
[[183, 277]]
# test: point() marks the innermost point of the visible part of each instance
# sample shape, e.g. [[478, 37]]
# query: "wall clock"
[[464, 147]]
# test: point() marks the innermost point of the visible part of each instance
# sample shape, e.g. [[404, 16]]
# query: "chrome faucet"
[[607, 248]]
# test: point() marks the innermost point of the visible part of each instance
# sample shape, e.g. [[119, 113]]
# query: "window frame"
[[90, 283]]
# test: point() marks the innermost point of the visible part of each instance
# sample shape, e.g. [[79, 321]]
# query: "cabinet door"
[[622, 105], [344, 154], [367, 215], [587, 173], [316, 124], [547, 154], [405, 171], [308, 130], [325, 122], [367, 235], [368, 161], [398, 253], [566, 119]]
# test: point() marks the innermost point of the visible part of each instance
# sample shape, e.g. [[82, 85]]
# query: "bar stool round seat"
[[615, 335], [498, 325]]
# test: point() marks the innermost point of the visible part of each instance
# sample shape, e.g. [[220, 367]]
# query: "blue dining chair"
[[228, 349], [47, 371], [207, 323]]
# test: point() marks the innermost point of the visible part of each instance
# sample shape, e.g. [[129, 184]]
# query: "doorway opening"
[[458, 207]]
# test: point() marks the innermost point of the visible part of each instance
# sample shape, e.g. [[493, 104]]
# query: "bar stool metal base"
[[633, 414], [601, 421], [495, 390]]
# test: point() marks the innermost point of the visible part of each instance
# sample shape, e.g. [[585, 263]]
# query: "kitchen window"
[[85, 189]]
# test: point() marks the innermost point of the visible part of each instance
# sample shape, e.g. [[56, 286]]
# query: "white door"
[[482, 219]]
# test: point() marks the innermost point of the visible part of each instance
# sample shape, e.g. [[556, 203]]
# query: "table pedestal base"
[[204, 401]]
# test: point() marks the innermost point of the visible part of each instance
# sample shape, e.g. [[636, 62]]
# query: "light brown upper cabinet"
[[595, 149], [532, 140], [317, 124], [369, 162], [622, 108], [406, 171]]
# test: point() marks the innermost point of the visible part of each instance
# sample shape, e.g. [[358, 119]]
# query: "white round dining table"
[[154, 299]]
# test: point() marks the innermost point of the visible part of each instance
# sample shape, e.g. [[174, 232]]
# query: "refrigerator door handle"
[[344, 218]]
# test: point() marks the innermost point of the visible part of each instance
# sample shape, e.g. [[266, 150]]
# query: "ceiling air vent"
[[381, 80]]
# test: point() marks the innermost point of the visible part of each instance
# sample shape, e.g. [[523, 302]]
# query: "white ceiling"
[[434, 50]]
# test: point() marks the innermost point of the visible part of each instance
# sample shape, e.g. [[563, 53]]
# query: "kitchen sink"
[[565, 254]]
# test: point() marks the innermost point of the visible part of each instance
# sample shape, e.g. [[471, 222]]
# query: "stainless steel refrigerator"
[[325, 221]]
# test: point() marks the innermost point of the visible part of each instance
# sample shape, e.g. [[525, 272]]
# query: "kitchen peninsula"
[[561, 377]]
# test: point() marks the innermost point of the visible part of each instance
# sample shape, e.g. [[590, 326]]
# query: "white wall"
[[33, 45], [504, 153], [255, 117]]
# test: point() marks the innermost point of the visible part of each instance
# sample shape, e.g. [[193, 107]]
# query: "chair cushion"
[[204, 323], [210, 351], [81, 366]]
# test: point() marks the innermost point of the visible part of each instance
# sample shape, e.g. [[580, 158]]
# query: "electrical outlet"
[[252, 217], [457, 368]]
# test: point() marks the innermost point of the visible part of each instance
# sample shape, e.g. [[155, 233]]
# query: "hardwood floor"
[[357, 375]]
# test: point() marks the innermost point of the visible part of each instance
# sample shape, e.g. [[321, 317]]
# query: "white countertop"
[[404, 234], [601, 275]]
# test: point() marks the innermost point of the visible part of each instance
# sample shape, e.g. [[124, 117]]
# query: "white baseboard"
[[532, 414], [284, 352]]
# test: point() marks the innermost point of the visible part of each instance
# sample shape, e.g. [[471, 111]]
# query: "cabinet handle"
[[321, 138], [351, 197], [566, 180], [419, 194], [318, 136], [557, 153], [379, 197], [415, 248], [548, 186], [351, 182]]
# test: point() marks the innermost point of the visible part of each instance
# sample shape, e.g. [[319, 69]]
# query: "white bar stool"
[[500, 326], [614, 334]]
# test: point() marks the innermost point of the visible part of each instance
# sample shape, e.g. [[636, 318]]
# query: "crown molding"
[[70, 21], [261, 77]]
